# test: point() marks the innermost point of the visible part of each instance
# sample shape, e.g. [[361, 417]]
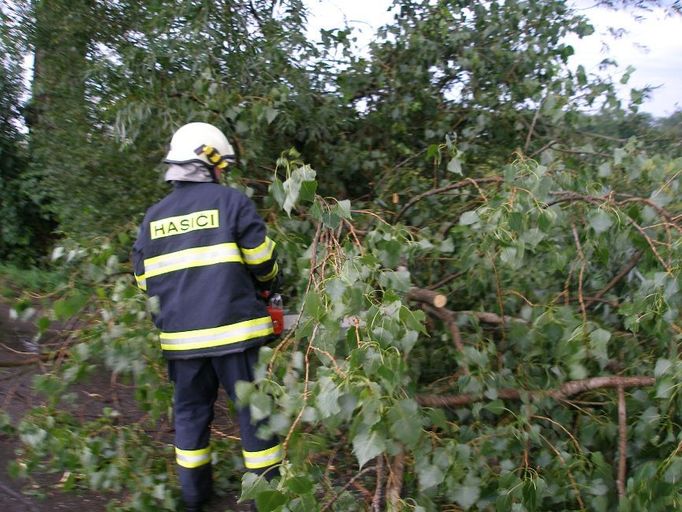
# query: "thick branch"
[[567, 390], [25, 362], [379, 491], [491, 318], [622, 442], [394, 485], [427, 297], [450, 320]]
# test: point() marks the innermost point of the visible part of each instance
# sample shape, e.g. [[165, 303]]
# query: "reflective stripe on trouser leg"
[[196, 387], [259, 455], [263, 458], [191, 459]]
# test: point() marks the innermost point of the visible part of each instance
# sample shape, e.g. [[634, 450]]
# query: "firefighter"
[[202, 251]]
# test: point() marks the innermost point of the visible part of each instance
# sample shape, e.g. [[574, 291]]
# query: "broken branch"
[[567, 390]]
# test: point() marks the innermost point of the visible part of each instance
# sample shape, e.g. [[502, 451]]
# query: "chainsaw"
[[275, 307]]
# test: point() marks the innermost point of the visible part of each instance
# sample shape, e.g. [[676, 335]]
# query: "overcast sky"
[[653, 45]]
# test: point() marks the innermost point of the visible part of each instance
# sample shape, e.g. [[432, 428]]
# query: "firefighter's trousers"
[[196, 389]]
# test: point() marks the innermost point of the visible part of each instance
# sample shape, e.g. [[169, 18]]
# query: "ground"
[[17, 369]]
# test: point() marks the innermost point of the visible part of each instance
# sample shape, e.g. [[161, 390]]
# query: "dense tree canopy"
[[460, 158]]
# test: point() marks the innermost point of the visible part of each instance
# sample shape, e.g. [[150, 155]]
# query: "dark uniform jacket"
[[201, 251]]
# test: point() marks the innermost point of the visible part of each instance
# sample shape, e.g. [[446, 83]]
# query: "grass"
[[15, 280]]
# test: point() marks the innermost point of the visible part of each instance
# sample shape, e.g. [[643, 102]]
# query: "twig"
[[328, 505], [651, 244], [532, 128], [306, 383], [581, 255], [287, 340], [616, 279], [363, 490], [446, 188], [445, 280], [574, 483]]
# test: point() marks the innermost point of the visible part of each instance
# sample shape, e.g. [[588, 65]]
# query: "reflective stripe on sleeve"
[[141, 282], [216, 336], [270, 274], [192, 458], [194, 257], [263, 458], [259, 254]]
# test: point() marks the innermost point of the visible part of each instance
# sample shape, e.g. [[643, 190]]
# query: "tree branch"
[[429, 297], [350, 482], [567, 390], [379, 491], [450, 320], [622, 442], [394, 484], [616, 279], [446, 188]]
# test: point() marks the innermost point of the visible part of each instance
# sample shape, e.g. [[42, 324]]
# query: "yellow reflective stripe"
[[263, 458], [270, 274], [259, 254], [141, 282], [216, 336], [192, 458], [195, 257]]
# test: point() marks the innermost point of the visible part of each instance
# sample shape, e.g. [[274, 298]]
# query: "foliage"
[[23, 231], [456, 157], [344, 397]]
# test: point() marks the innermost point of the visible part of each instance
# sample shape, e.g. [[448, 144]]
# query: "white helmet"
[[200, 142]]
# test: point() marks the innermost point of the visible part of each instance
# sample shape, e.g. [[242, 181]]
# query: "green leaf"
[[405, 422], [455, 166], [68, 307], [270, 114], [327, 400], [367, 444], [270, 500], [662, 367], [299, 485], [467, 494], [260, 405], [430, 476], [495, 407], [277, 191], [343, 209], [468, 218], [307, 192], [599, 340], [252, 486], [600, 221]]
